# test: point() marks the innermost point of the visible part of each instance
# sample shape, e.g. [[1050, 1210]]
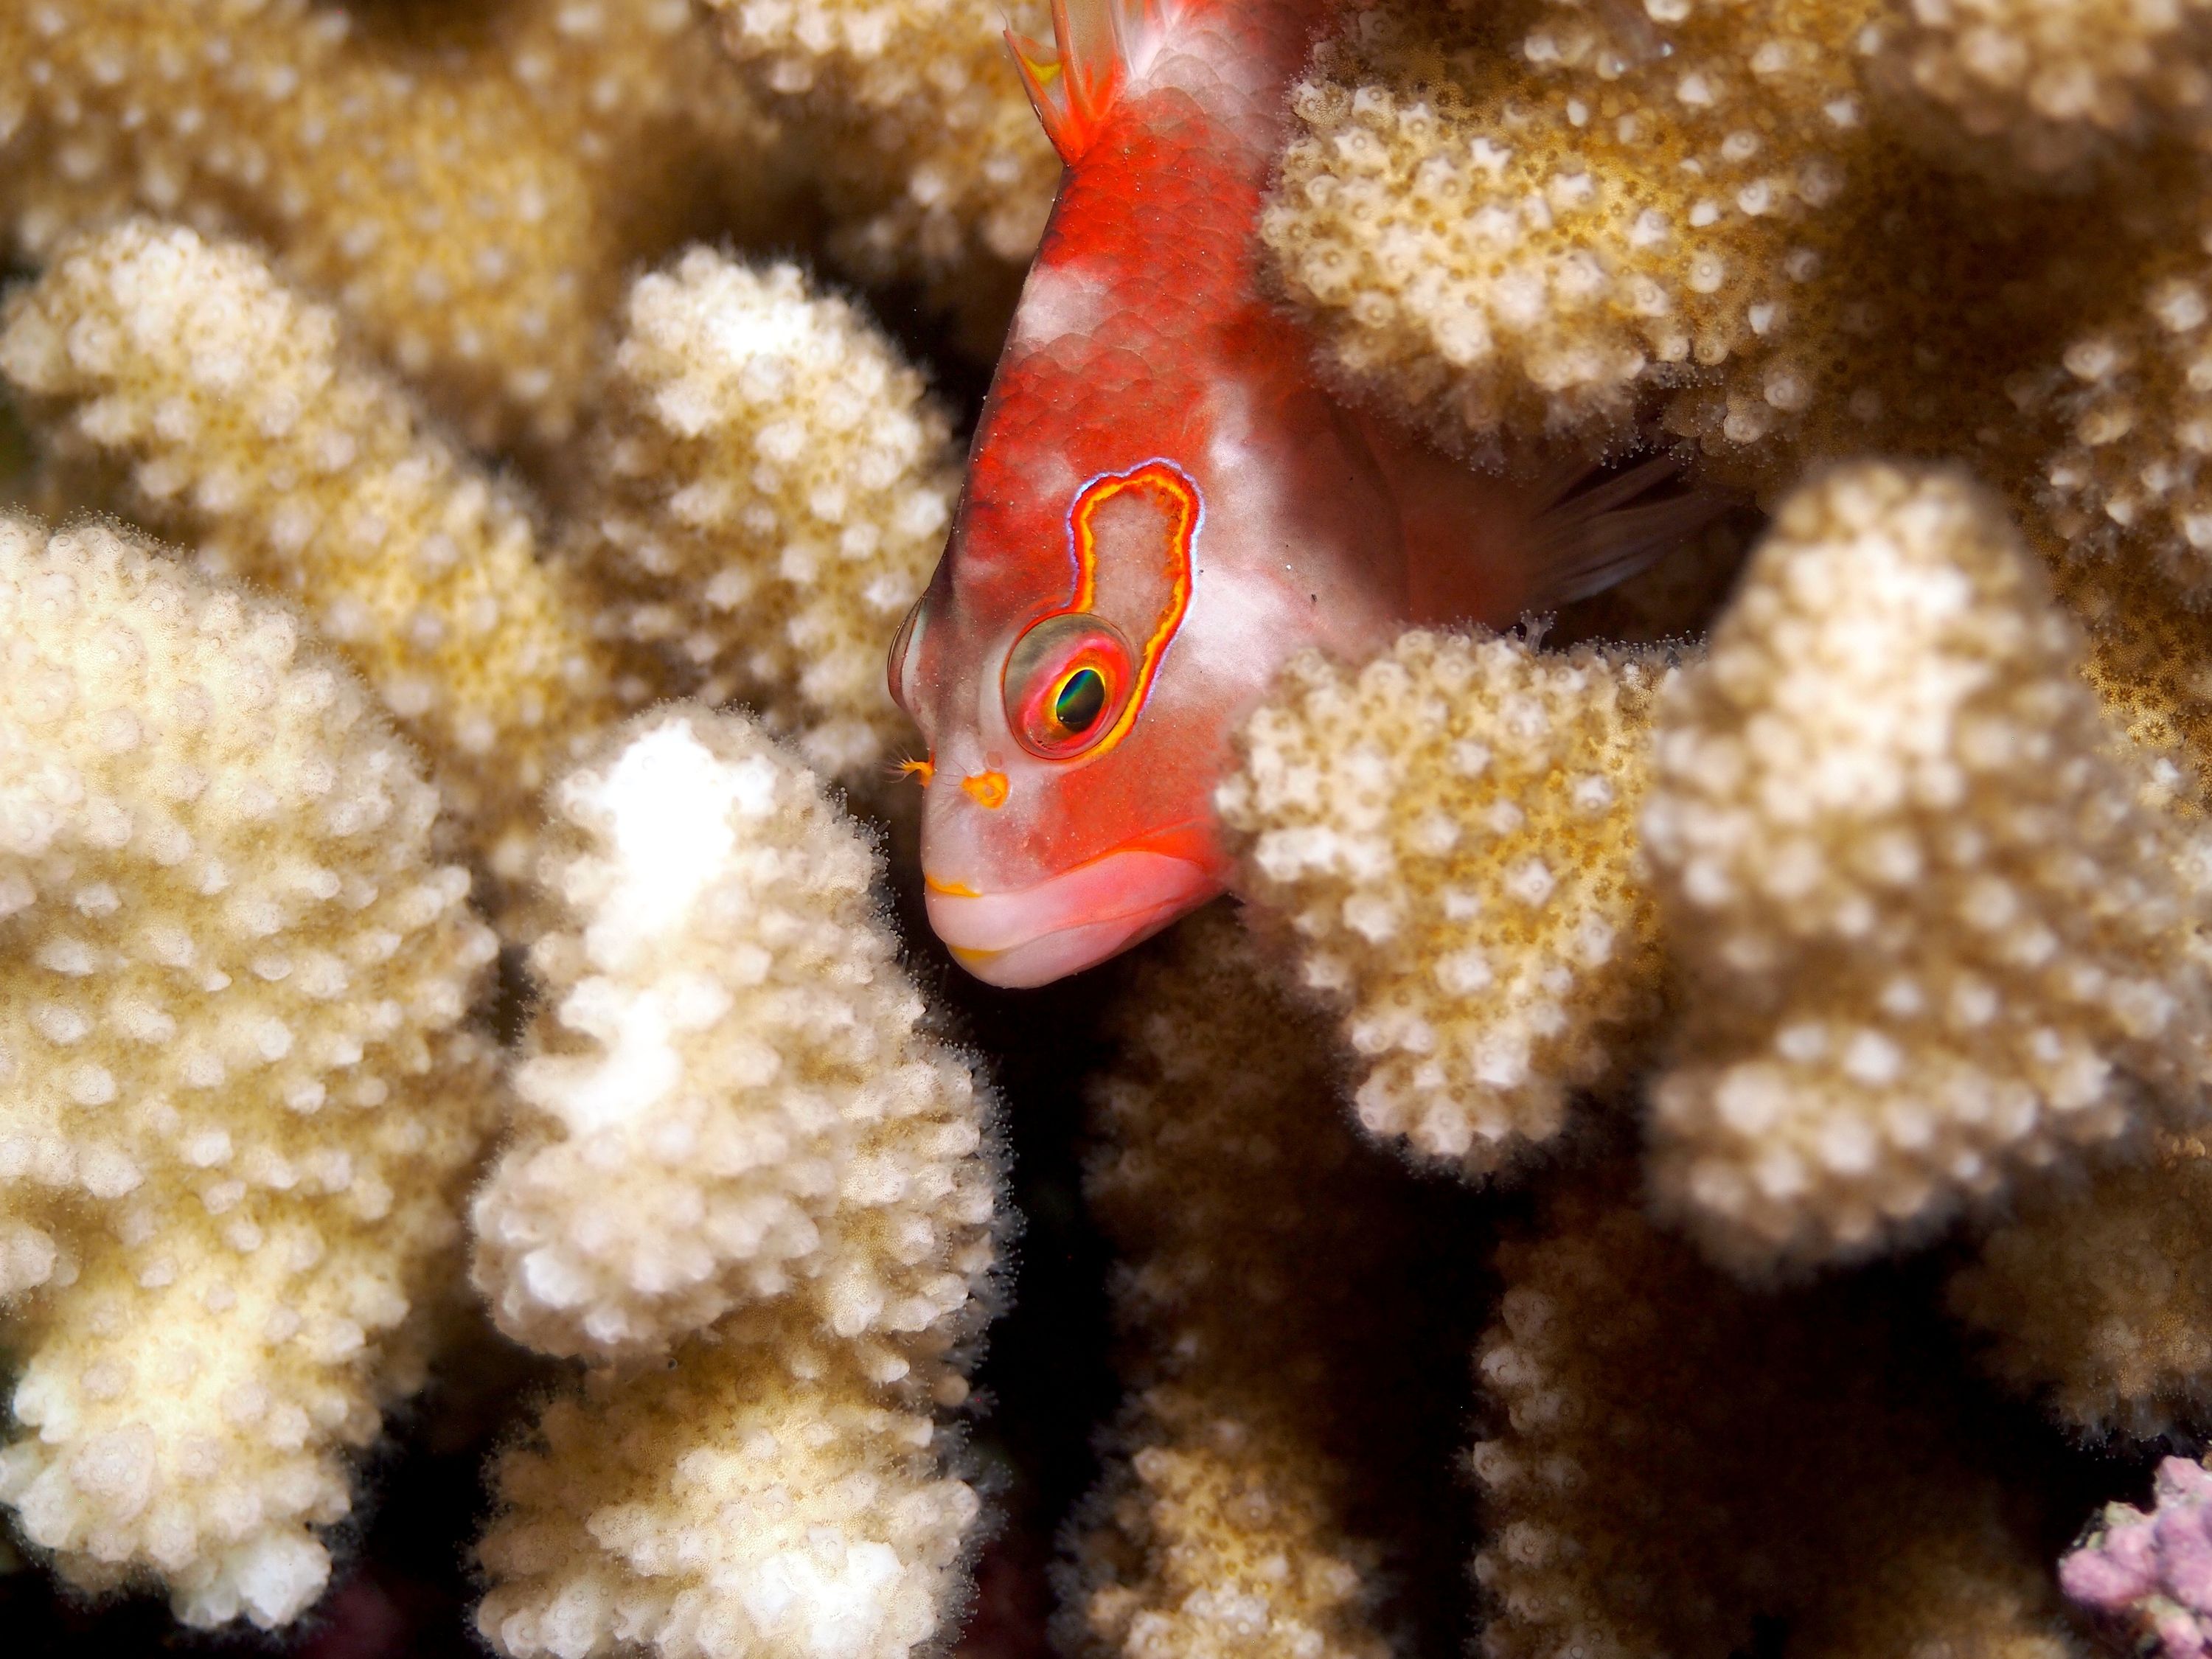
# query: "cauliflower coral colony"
[[1694, 1142]]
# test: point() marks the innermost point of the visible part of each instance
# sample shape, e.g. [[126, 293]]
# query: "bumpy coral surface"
[[1674, 1458], [732, 1095], [2146, 646], [911, 116], [2049, 85], [1930, 938], [2098, 1297], [1218, 1530], [2123, 407], [768, 491], [739, 1135], [753, 1497], [2152, 1574], [1450, 832], [238, 1108], [1551, 217], [469, 193], [247, 428]]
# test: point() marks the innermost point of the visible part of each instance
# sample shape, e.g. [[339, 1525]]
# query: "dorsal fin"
[[1097, 44]]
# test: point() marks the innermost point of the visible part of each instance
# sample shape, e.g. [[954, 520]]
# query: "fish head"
[[1094, 637], [1077, 724]]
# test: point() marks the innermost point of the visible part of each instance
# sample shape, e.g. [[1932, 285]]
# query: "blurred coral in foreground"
[[1930, 938]]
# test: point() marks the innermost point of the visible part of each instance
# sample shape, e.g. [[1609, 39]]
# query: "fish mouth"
[[1029, 936]]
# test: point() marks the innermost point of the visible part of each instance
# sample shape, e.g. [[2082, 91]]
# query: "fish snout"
[[1028, 936]]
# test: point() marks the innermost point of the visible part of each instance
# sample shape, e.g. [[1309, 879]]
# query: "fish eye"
[[1066, 680], [895, 662], [1080, 701]]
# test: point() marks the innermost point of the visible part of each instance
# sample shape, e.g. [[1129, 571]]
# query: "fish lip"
[[1029, 936]]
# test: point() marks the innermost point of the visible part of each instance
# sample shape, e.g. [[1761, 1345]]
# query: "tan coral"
[[238, 1108], [1555, 218], [1930, 938], [742, 1149], [1676, 1459], [1253, 1225], [913, 118], [2147, 651], [731, 1096], [246, 427], [767, 489], [2097, 1297], [469, 193], [2046, 87], [755, 1496], [2122, 406], [1448, 835]]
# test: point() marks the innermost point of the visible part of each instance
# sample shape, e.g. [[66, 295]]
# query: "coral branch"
[[1556, 218], [912, 118], [757, 1496], [470, 197], [1677, 1458], [1448, 837], [768, 491], [731, 1096], [248, 428], [237, 1107], [739, 1141], [1930, 938], [2099, 1297], [1251, 1224]]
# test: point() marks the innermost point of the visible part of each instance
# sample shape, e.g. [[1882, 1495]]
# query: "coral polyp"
[[1689, 1133]]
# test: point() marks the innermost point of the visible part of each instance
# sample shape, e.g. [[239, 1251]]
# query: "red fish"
[[1163, 503]]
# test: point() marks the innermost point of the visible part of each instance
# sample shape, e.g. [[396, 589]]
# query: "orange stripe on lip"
[[949, 889]]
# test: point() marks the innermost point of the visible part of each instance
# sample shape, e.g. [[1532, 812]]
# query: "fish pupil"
[[1081, 699]]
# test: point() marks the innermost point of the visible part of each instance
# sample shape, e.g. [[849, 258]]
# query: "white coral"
[[1931, 937], [740, 1149], [769, 492], [237, 1109]]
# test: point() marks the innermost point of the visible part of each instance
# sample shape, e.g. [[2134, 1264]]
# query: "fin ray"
[[1592, 539], [1097, 46]]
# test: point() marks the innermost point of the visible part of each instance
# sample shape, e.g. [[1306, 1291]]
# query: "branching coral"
[[1450, 832], [1244, 1209], [238, 1108], [2047, 86], [1930, 937], [912, 117], [2124, 408], [1676, 1458], [2147, 656], [2099, 1297], [1553, 217], [734, 1098], [767, 492], [739, 1132], [470, 195], [245, 427], [751, 1497]]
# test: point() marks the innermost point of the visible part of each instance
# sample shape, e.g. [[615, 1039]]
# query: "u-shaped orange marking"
[[1187, 510]]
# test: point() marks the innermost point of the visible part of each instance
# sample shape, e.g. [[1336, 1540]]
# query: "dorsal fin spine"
[[1097, 45]]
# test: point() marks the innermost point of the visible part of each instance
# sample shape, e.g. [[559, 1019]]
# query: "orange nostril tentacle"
[[987, 789]]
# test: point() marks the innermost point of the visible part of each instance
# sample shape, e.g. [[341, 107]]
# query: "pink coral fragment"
[[2155, 1571]]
